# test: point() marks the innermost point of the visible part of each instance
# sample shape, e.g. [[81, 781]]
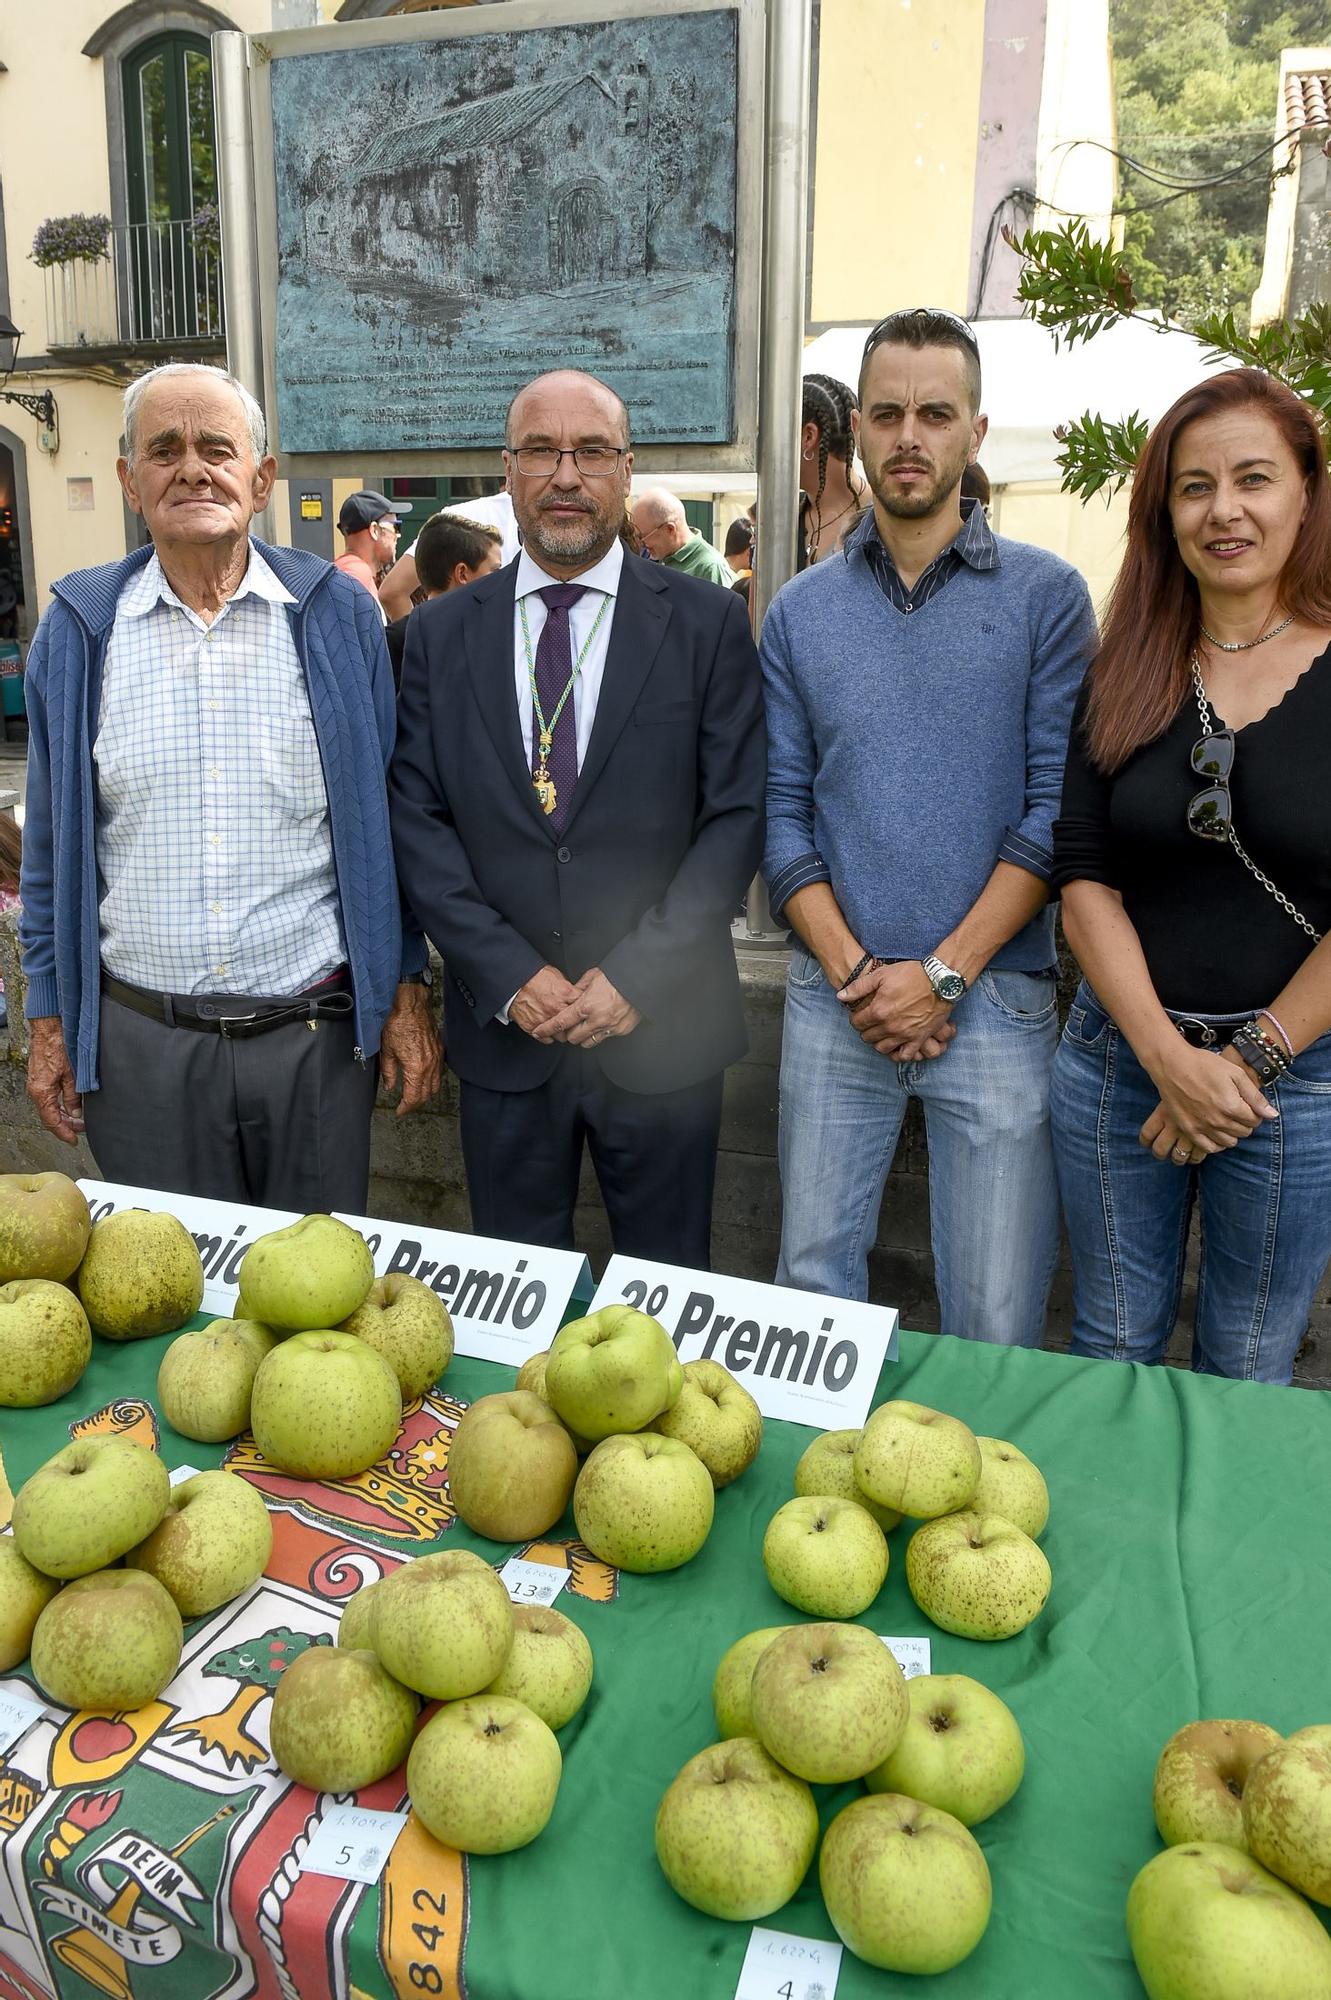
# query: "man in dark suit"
[[577, 800]]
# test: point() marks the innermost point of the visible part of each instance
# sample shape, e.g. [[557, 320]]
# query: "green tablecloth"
[[1188, 1546]]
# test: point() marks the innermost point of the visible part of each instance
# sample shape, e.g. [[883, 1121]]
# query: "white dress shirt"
[[214, 851], [600, 582]]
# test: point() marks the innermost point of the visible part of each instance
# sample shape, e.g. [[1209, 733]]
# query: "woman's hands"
[[1209, 1100]]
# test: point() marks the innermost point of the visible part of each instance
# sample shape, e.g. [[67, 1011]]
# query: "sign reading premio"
[[506, 1300], [802, 1357]]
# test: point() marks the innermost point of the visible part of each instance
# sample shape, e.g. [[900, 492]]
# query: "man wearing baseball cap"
[[369, 522]]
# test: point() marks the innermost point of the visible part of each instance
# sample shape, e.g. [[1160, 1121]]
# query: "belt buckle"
[[227, 1023], [1206, 1034]]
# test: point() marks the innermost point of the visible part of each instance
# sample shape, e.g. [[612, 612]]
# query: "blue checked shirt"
[[974, 546], [214, 850]]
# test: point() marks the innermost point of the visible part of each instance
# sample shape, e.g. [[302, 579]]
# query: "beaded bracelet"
[[1265, 1014], [1265, 1058]]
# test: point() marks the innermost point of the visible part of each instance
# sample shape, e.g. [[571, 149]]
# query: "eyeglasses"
[[594, 461], [393, 525], [1211, 812], [909, 317]]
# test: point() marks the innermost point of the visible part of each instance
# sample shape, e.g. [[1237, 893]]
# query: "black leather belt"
[[230, 1015], [1207, 1034]]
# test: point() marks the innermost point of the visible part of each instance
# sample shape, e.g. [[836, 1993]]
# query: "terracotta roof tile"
[[1307, 98]]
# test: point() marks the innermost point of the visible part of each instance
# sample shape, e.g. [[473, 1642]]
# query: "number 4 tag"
[[779, 1966]]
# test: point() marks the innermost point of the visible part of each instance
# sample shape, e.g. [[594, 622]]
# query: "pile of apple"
[[319, 1359], [905, 1883], [108, 1637], [64, 1278], [974, 1568], [483, 1773], [1245, 1815], [657, 1441]]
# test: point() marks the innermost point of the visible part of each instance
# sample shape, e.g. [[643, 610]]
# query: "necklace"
[[819, 524], [1246, 645], [542, 782]]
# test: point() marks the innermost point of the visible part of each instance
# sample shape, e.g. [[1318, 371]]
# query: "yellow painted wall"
[[894, 165], [1088, 536]]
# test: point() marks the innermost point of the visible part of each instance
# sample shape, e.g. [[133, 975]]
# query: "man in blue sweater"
[[919, 687], [211, 930]]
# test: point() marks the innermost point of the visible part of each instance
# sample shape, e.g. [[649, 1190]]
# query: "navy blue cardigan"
[[339, 639]]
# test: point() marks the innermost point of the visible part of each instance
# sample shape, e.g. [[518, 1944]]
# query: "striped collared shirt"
[[973, 545], [213, 843]]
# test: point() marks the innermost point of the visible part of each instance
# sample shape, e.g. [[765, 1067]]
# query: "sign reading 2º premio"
[[802, 1357]]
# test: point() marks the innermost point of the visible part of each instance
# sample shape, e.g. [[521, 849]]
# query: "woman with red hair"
[[1193, 853]]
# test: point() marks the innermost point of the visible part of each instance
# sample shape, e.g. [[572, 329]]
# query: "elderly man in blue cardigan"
[[217, 964]]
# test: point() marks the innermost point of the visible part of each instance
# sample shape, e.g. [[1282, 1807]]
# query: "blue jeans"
[[993, 1205], [1265, 1210]]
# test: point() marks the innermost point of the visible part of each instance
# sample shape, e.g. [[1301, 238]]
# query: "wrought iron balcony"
[[159, 282]]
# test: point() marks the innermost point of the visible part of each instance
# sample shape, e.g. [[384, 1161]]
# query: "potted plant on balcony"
[[71, 239]]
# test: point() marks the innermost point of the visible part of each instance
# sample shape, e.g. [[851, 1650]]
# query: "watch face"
[[950, 987]]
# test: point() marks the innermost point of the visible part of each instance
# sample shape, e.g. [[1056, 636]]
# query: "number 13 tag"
[[532, 1583], [779, 1966]]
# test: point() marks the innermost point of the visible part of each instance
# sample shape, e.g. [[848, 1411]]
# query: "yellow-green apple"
[[44, 1226], [531, 1376], [213, 1541], [339, 1722], [829, 1701], [1011, 1485], [141, 1274], [920, 1461], [1287, 1810], [443, 1624], [716, 1418], [613, 1371], [410, 1326], [827, 1557], [110, 1640], [828, 1466], [205, 1378], [324, 1405], [511, 1466], [24, 1594], [355, 1632], [89, 1503], [1199, 1780], [977, 1575], [906, 1886], [735, 1832], [732, 1686], [961, 1750], [312, 1273], [644, 1502], [483, 1774], [1207, 1922], [45, 1342], [550, 1666]]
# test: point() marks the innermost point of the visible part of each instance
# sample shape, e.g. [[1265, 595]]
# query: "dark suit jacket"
[[665, 832]]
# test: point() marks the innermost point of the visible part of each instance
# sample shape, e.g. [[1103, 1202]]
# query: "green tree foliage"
[[1195, 86]]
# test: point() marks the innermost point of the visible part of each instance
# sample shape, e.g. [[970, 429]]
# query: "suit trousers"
[[654, 1156], [280, 1120]]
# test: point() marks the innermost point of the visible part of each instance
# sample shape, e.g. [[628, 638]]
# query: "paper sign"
[[779, 1966], [183, 1472], [353, 1843], [911, 1655], [506, 1300], [17, 1715], [532, 1583], [802, 1357]]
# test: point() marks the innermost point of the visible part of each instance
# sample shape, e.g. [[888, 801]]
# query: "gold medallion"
[[544, 786]]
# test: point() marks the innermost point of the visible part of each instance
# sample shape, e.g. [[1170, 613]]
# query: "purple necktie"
[[554, 664]]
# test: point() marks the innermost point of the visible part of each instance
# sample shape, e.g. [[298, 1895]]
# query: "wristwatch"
[[423, 978], [947, 984]]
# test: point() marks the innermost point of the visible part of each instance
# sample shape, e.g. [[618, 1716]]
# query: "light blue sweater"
[[909, 753]]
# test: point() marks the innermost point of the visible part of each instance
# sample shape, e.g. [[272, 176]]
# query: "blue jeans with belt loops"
[[1264, 1207], [993, 1203]]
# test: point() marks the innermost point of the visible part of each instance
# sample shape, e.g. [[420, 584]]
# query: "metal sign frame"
[[249, 197]]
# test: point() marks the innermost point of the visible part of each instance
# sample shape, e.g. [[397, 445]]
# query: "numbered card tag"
[[532, 1583], [17, 1715], [352, 1842], [911, 1655], [183, 1472], [778, 1966]]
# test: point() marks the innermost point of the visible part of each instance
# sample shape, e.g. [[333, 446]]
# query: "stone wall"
[[416, 1173]]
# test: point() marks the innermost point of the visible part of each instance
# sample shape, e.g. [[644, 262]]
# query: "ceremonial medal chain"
[[542, 782]]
